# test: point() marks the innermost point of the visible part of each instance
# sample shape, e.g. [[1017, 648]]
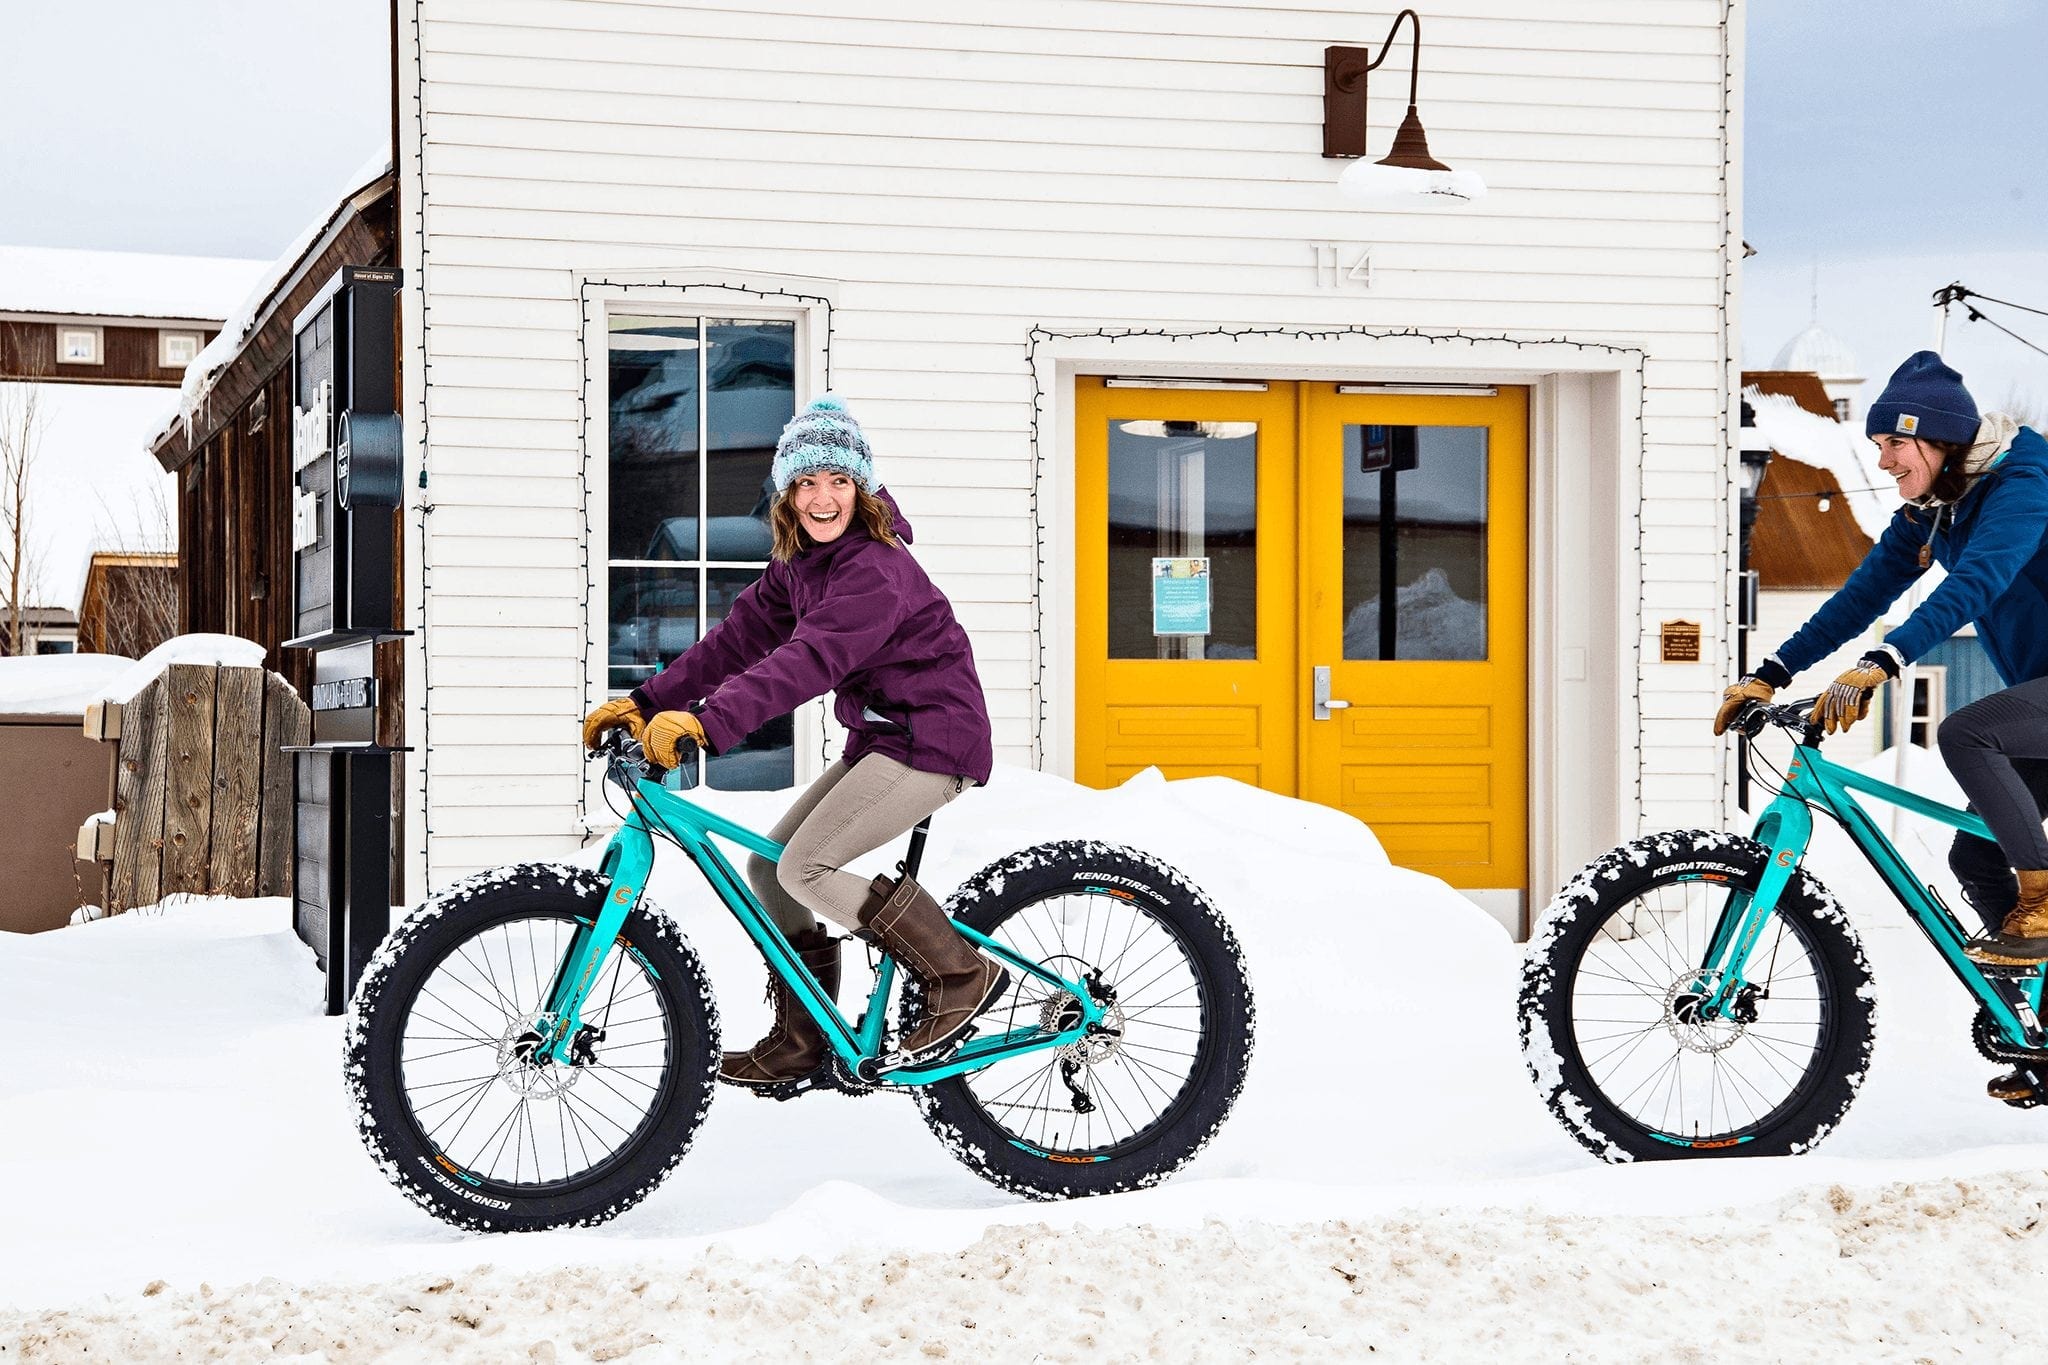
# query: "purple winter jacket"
[[851, 616]]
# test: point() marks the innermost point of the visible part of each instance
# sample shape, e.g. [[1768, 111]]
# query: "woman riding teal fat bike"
[[535, 1046], [1699, 993]]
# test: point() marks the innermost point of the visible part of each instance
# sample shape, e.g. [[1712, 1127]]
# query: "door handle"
[[1324, 702]]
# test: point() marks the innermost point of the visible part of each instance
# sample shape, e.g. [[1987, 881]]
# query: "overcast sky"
[[1892, 146]]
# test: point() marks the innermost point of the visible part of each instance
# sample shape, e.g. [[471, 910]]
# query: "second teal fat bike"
[[1698, 993], [536, 1046]]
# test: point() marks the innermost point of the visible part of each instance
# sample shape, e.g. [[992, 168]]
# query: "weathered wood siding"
[[962, 174]]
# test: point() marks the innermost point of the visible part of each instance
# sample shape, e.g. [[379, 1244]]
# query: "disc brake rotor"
[[1683, 1002], [523, 1069]]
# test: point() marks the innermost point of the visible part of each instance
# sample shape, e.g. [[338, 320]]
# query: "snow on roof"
[[94, 484], [122, 284], [1842, 451], [1819, 351], [200, 374], [56, 684]]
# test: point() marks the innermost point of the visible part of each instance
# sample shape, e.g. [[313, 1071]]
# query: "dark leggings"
[[1998, 750]]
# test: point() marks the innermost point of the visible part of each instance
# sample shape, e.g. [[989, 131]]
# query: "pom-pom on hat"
[[1924, 398], [823, 436]]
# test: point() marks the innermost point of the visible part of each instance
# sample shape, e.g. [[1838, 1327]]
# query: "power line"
[[1974, 316]]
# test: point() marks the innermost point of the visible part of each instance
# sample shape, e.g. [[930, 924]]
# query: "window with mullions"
[[695, 406]]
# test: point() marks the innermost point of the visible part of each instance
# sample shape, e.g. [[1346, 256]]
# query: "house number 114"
[[1340, 265]]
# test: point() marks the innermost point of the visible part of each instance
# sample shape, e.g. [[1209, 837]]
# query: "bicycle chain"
[[1984, 1033]]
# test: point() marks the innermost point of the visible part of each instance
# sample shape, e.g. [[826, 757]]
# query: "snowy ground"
[[183, 1177]]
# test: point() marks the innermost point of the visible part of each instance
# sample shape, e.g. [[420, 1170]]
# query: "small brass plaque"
[[1680, 642]]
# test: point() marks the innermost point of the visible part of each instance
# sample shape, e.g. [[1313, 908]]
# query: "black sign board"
[[347, 455]]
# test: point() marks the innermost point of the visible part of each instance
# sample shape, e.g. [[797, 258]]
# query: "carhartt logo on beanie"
[[1925, 398], [823, 436]]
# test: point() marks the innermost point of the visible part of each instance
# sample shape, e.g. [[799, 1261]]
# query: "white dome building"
[[1819, 351]]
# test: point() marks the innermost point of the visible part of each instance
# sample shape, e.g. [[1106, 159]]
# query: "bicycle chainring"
[[1991, 1047]]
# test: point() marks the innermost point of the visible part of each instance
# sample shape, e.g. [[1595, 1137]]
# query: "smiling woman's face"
[[1911, 461], [824, 503]]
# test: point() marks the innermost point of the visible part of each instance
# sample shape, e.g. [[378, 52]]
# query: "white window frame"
[[67, 330], [164, 339], [1930, 703], [692, 293]]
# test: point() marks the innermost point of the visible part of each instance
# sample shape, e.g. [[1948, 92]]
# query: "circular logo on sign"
[[341, 460]]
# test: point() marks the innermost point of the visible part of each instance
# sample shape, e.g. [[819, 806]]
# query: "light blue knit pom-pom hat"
[[823, 436]]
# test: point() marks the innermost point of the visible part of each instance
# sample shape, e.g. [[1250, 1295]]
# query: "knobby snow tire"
[[1610, 883], [376, 1028], [1222, 1056]]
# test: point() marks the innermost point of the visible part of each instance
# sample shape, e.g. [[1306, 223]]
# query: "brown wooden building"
[[1806, 536], [232, 449], [130, 602], [95, 317]]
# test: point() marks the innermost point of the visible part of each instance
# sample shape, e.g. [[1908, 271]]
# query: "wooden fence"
[[202, 787]]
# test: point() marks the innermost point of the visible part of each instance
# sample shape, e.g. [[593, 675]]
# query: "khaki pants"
[[845, 813]]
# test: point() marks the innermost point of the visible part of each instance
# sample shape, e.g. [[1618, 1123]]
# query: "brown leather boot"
[[957, 981], [2022, 940], [795, 1046]]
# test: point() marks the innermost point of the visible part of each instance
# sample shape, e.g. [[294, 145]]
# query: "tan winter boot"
[[795, 1046], [957, 982], [2022, 940]]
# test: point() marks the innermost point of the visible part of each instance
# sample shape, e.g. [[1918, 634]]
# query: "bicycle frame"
[[1786, 826], [628, 859]]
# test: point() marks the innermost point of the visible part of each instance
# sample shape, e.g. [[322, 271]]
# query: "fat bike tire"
[[1157, 1090], [438, 1048], [1609, 988]]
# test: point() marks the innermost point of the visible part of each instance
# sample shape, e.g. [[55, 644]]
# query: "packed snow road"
[[173, 1114], [1931, 1270]]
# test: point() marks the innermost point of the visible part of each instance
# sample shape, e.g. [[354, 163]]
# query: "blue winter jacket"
[[1995, 548]]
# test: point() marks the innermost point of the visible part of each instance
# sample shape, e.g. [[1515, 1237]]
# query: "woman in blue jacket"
[[1976, 492], [841, 608]]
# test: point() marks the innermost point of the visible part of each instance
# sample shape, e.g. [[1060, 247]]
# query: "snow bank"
[[1386, 1091], [57, 684], [1929, 1269], [121, 284], [1824, 443], [230, 650]]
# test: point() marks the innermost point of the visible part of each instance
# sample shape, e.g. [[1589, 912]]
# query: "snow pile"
[[229, 650], [1824, 443], [1823, 1275], [199, 375], [1387, 1093], [1432, 622], [57, 684], [122, 284]]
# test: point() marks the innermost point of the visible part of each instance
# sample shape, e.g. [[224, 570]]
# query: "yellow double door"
[[1317, 589]]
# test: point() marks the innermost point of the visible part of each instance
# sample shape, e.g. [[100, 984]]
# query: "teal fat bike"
[[1697, 993], [536, 1046]]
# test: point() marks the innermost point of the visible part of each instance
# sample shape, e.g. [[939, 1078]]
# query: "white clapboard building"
[[1194, 441]]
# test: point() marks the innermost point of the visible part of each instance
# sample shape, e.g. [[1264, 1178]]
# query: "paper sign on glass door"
[[1180, 596]]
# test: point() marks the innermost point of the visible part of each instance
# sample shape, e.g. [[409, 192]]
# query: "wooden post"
[[237, 782], [188, 802], [138, 800], [286, 721]]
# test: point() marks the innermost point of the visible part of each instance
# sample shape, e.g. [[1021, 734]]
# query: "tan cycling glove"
[[1742, 691], [614, 713], [1847, 699], [666, 731]]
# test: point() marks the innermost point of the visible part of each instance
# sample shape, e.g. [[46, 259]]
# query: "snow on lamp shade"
[[1380, 182]]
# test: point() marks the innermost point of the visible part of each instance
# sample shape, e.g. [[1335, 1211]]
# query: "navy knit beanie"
[[823, 436], [1925, 398]]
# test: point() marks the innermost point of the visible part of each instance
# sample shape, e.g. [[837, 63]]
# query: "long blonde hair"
[[791, 539]]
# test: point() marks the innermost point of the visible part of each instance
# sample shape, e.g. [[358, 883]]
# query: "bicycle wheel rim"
[[1681, 1080], [1139, 1082], [493, 1120]]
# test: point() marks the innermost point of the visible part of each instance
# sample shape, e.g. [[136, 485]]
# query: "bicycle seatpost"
[[911, 859]]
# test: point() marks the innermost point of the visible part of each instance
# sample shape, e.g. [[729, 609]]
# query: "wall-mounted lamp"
[[1407, 170]]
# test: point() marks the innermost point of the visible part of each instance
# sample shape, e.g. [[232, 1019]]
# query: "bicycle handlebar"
[[626, 759], [1755, 715]]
